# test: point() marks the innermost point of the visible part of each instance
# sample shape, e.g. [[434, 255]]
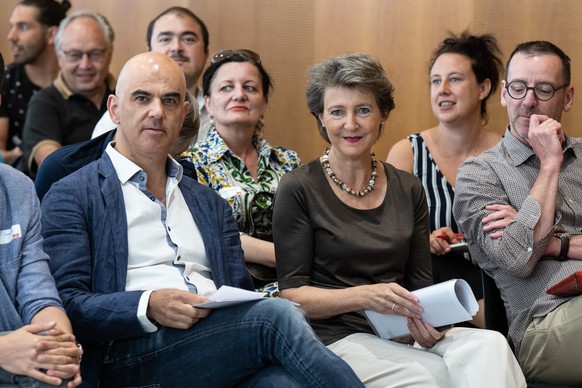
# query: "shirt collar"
[[126, 169], [218, 148], [66, 92]]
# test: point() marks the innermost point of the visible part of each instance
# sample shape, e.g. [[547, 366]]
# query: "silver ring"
[[393, 306]]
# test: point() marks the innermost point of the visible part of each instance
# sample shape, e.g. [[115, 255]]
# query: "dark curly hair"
[[50, 12], [484, 54]]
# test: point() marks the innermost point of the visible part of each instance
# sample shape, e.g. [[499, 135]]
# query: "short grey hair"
[[358, 71], [105, 26], [189, 130]]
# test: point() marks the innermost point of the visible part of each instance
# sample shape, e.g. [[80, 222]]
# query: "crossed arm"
[[488, 203]]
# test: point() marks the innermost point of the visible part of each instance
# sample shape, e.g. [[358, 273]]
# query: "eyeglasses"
[[75, 56], [243, 53], [543, 91]]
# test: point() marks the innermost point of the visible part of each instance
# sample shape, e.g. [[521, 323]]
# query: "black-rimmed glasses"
[[243, 53], [75, 56], [543, 91]]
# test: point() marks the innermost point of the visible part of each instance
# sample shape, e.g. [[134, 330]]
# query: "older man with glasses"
[[176, 32], [66, 112], [536, 169]]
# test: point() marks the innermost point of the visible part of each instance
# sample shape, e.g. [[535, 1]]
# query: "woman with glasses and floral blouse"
[[464, 73], [235, 159]]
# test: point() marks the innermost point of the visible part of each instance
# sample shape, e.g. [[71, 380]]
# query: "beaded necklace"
[[341, 184]]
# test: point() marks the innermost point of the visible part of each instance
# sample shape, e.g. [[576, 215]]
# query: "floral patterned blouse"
[[251, 201]]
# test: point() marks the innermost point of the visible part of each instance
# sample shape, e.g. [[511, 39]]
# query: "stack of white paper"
[[443, 303], [228, 296]]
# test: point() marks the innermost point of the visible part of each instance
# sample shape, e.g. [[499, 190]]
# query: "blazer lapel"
[[115, 218]]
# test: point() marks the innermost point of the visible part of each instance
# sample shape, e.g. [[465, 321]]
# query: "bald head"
[[148, 106], [149, 65]]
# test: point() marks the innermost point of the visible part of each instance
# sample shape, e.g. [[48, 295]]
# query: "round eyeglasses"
[[543, 91]]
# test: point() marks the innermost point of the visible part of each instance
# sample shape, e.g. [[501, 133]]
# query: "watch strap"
[[564, 245]]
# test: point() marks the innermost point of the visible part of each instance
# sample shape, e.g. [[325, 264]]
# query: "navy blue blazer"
[[85, 232]]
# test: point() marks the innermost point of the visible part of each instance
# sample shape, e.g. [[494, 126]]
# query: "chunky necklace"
[[341, 184]]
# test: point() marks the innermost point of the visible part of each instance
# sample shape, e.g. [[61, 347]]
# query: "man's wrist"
[[564, 245], [149, 326]]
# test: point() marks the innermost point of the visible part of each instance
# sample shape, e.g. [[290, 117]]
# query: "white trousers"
[[465, 358]]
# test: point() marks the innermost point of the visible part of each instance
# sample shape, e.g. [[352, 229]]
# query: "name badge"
[[8, 235], [229, 192]]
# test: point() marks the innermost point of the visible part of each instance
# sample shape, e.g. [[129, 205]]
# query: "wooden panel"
[[519, 21], [282, 33], [402, 35], [292, 34]]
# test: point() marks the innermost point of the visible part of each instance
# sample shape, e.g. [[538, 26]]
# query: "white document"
[[459, 247], [444, 304], [228, 296]]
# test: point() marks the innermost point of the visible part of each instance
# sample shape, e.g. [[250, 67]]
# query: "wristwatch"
[[564, 245]]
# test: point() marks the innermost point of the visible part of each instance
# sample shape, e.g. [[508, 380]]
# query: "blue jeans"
[[264, 343], [8, 379]]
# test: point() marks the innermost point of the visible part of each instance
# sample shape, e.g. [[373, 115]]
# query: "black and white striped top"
[[439, 192]]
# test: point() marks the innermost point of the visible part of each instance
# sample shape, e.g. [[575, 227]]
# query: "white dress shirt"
[[165, 246]]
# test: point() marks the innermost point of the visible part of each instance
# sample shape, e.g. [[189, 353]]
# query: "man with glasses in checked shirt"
[[536, 241]]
